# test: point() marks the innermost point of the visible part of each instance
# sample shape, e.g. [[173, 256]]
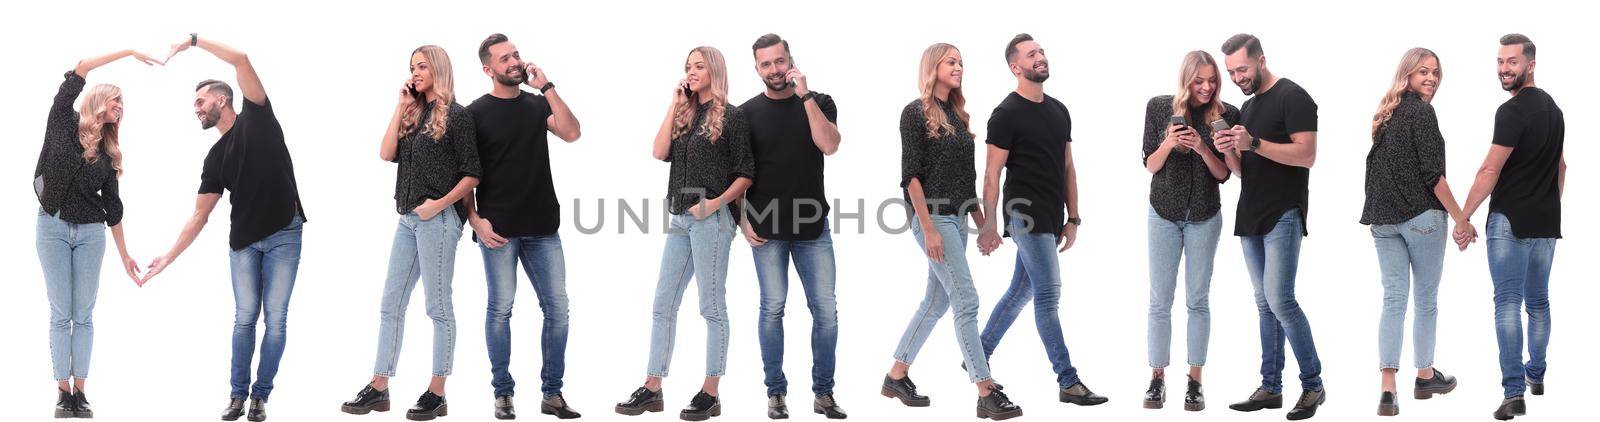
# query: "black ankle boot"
[[368, 400]]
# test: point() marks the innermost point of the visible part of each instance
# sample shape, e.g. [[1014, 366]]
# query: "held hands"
[[486, 233], [799, 80], [1465, 234], [989, 240]]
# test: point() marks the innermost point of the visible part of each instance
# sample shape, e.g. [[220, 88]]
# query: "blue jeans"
[[263, 278], [70, 255], [426, 250], [695, 249], [1273, 260], [1413, 249], [813, 260], [1521, 272], [1195, 244], [546, 266], [1038, 279], [949, 287]]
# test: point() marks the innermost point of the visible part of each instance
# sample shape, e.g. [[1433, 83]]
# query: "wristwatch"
[[1075, 221], [193, 39], [547, 87], [809, 95], [1255, 143]]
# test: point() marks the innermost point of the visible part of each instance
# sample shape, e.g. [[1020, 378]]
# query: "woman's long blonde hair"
[[927, 78], [1402, 79], [716, 87], [1192, 63], [444, 87], [96, 135]]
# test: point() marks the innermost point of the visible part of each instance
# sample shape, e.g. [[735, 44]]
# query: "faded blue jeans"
[[813, 260], [425, 250], [1193, 243], [70, 255], [263, 279], [545, 263], [696, 249], [1273, 261], [1409, 252], [949, 287], [1037, 278], [1521, 272]]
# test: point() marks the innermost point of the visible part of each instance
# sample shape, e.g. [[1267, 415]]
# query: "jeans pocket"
[[1424, 226]]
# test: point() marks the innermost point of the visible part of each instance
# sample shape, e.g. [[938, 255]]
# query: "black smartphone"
[[1178, 120]]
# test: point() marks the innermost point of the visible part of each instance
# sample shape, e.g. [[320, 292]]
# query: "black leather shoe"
[[1079, 394], [258, 410], [428, 406], [703, 406], [66, 403], [996, 406], [1388, 404], [235, 409], [1439, 384], [81, 404], [556, 405], [366, 401], [1194, 400], [1156, 396], [905, 390], [1306, 407], [824, 405], [642, 400], [1510, 408], [1537, 388], [777, 408], [504, 409], [1261, 399]]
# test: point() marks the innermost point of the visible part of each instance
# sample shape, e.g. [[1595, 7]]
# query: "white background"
[[332, 69]]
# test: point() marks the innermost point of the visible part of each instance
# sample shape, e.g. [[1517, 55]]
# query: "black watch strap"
[[1255, 142], [809, 95], [547, 87], [194, 39], [1075, 221]]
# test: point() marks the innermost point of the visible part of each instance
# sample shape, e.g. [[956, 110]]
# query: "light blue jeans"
[[1521, 272], [1037, 279], [70, 255], [426, 250], [1193, 243], [695, 249], [263, 278], [1406, 251], [949, 287]]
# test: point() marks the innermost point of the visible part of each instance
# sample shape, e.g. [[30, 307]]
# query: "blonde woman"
[[432, 139], [940, 183], [1186, 172], [76, 182], [707, 142], [1406, 205]]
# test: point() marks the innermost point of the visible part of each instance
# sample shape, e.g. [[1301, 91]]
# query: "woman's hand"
[[705, 208], [1465, 234], [406, 96], [933, 244], [132, 267], [680, 93], [429, 209], [146, 59]]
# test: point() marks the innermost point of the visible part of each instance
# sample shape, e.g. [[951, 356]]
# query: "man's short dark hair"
[[1011, 47], [1250, 43], [1519, 39], [219, 87], [768, 41], [483, 49]]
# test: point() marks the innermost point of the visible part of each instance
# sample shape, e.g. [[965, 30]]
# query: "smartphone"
[[1177, 120], [1220, 125]]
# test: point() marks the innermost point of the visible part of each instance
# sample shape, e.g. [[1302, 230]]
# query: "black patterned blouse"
[[1184, 189], [430, 168], [1406, 161], [65, 182]]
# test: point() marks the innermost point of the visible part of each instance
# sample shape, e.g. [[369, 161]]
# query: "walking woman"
[[1407, 202], [1184, 223], [431, 138], [940, 182], [707, 142], [76, 182]]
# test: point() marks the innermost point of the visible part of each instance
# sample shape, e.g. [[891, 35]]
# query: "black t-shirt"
[[252, 163], [787, 202], [1529, 192], [1036, 135], [516, 193], [1270, 188]]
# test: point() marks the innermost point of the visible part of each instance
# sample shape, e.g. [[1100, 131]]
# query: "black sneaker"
[[997, 406], [1261, 399], [642, 400], [235, 409], [1194, 400], [905, 390], [504, 409], [1439, 384], [66, 404], [1536, 388], [556, 405], [1156, 396], [366, 401], [258, 410], [1079, 394], [824, 405], [1511, 407], [703, 406], [776, 407], [1306, 407], [1388, 404], [428, 406]]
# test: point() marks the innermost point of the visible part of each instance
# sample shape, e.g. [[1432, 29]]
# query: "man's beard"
[[1036, 77], [1252, 87], [210, 120], [782, 83], [1516, 83], [508, 80]]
